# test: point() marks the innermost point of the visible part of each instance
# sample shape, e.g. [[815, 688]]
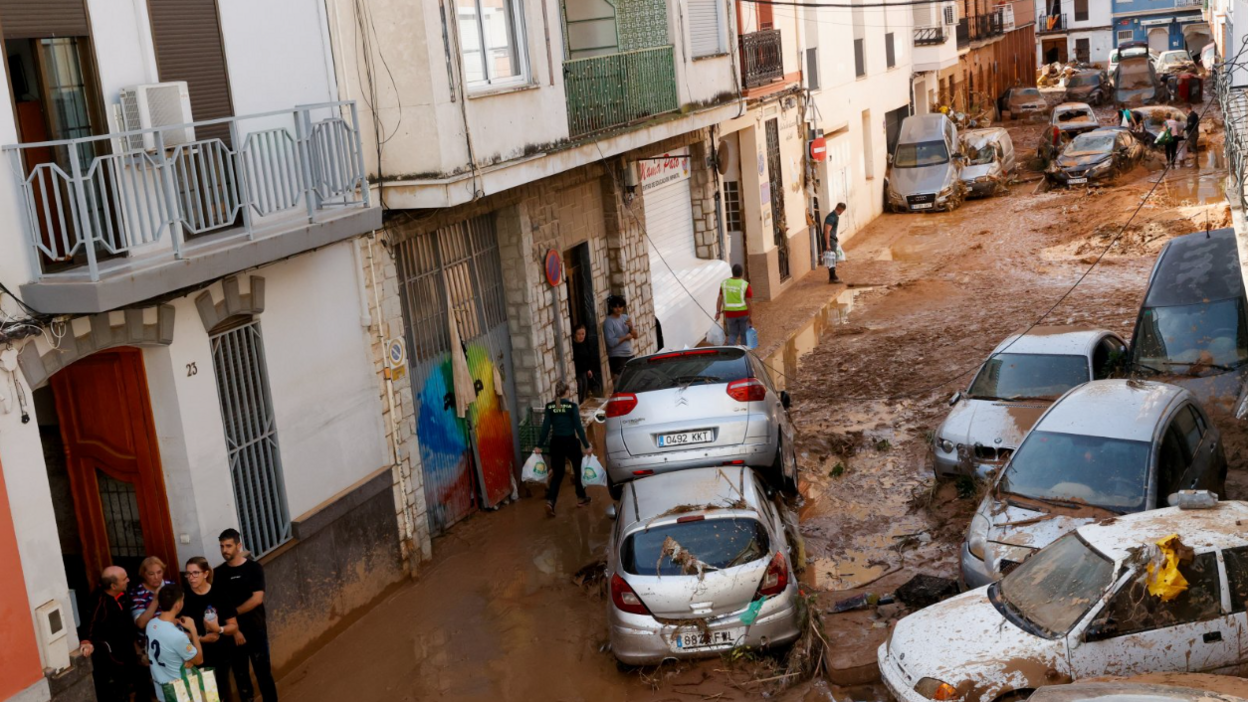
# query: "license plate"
[[687, 437], [698, 639], [922, 206], [1077, 181]]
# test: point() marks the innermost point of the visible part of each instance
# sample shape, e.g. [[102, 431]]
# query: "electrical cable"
[[846, 5]]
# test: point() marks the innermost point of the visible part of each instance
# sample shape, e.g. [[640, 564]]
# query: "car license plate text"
[[1077, 181], [687, 437], [921, 206], [697, 639]]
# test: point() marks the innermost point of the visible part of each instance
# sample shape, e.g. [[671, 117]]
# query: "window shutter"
[[812, 68], [26, 19], [949, 16], [187, 38], [704, 30]]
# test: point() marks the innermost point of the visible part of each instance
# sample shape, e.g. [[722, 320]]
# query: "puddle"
[[1204, 189], [783, 361], [849, 573]]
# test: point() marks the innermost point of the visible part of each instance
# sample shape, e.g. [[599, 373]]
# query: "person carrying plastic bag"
[[832, 245], [733, 305], [567, 443]]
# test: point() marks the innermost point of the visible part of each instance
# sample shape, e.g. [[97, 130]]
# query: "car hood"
[[1082, 161], [1074, 128], [984, 169], [995, 423], [967, 643], [1025, 528], [915, 181]]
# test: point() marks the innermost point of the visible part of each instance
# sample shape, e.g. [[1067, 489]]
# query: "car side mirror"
[[785, 400], [957, 397], [1099, 631]]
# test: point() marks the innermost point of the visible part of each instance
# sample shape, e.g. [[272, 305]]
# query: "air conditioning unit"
[[156, 105], [951, 14], [52, 635]]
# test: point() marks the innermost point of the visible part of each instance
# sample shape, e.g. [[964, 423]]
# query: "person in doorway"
[[172, 639], [733, 305], [1191, 138], [242, 579], [620, 334], [109, 638], [214, 617], [584, 359], [568, 443], [1175, 127], [830, 241]]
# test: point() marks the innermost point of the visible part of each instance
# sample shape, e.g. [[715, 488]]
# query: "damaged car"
[[1083, 607], [990, 161], [1172, 687], [1021, 378], [1154, 119], [1069, 119], [1095, 156], [926, 166], [1176, 61], [1106, 448], [1022, 102], [1088, 86], [1135, 81], [699, 562]]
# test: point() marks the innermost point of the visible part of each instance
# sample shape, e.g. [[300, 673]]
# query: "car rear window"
[[683, 368], [1022, 376], [678, 549]]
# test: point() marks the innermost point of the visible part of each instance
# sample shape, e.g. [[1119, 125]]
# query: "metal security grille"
[[251, 437], [120, 504], [776, 181], [732, 206]]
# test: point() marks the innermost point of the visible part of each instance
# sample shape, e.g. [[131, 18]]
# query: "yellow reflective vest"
[[734, 294]]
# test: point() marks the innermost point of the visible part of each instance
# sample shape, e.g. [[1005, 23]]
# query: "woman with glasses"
[[214, 617]]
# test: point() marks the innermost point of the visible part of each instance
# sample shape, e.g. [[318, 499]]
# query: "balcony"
[[929, 36], [987, 26], [1050, 24], [116, 219], [964, 32], [761, 58], [604, 92]]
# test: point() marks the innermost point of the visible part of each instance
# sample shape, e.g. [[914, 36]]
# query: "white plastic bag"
[[829, 259], [592, 472], [840, 253], [535, 469], [716, 337]]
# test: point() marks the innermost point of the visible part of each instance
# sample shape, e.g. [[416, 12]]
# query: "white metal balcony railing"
[[1234, 103], [85, 204]]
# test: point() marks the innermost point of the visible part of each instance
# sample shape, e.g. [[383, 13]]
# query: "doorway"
[[579, 279], [103, 465], [1054, 50]]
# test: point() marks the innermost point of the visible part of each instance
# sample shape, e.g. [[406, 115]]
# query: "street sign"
[[554, 268], [818, 149], [396, 354]]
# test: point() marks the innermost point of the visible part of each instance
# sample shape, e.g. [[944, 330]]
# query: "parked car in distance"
[[1192, 328], [1022, 102], [1021, 378], [689, 555], [1106, 448], [1174, 61], [1079, 609], [1135, 81], [1090, 86], [1098, 155], [1155, 116], [698, 407], [989, 161], [1175, 689], [926, 171]]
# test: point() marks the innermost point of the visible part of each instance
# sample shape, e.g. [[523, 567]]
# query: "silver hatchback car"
[[699, 563], [698, 407]]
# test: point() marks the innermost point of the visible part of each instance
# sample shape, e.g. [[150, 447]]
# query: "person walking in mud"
[[830, 242], [733, 305], [562, 423], [1191, 138]]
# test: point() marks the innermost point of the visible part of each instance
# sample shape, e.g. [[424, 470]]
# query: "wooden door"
[[113, 461]]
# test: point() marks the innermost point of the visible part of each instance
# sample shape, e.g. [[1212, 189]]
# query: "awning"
[[685, 301]]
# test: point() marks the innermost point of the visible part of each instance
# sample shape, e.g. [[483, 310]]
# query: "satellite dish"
[[726, 156]]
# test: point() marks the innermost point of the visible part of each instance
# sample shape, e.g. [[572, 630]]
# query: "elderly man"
[[110, 638]]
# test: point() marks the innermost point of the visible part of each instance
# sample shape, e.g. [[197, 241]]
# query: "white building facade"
[[1074, 30]]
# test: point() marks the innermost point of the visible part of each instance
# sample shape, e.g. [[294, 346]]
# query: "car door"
[[1173, 460], [1200, 444], [1236, 562], [1135, 632]]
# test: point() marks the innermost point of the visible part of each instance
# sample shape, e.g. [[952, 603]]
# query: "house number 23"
[[191, 369]]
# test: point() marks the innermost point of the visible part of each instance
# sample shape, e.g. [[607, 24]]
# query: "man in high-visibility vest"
[[734, 306]]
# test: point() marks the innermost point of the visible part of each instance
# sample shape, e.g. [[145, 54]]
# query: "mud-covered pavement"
[[500, 615]]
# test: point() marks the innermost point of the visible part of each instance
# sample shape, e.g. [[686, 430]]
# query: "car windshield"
[[1077, 469], [1211, 334], [1010, 376], [665, 371], [1091, 143], [1082, 80], [927, 153], [1026, 93], [1054, 588], [714, 543]]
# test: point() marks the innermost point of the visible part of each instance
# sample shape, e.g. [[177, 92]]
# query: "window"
[[1083, 50], [490, 36], [1237, 577], [1125, 35], [1185, 423], [890, 51], [1132, 610], [812, 68], [251, 437], [732, 206], [1081, 10], [705, 32], [1171, 464], [860, 57]]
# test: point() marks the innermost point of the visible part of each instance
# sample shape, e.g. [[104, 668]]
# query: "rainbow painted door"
[[455, 273]]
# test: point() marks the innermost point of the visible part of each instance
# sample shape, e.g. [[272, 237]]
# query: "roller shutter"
[[187, 36], [37, 19]]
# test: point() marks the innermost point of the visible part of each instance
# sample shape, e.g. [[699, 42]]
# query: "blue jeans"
[[735, 329]]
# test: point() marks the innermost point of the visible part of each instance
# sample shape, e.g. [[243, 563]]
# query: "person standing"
[[110, 639], [215, 620], [144, 605], [242, 579], [585, 360], [733, 305], [172, 640], [620, 333], [568, 443], [830, 241], [1175, 128], [1191, 137]]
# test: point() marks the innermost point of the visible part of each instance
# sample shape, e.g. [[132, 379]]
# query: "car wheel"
[[781, 479]]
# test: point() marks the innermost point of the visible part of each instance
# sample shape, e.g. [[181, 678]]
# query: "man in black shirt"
[[110, 638], [585, 360], [243, 581], [830, 242]]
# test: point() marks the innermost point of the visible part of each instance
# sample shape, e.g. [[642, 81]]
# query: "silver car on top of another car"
[[1021, 378]]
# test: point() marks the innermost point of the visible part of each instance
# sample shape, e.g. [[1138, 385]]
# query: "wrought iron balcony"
[[1047, 24], [618, 89], [964, 32], [761, 58], [929, 36]]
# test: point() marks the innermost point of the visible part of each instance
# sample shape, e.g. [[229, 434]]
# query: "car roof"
[[688, 490], [1202, 530], [985, 134], [919, 127], [1196, 267], [1071, 340], [1114, 409]]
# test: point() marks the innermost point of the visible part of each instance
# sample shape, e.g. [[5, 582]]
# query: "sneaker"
[[582, 503], [550, 509]]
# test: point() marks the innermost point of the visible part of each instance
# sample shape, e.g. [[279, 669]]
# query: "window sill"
[[708, 57], [502, 90]]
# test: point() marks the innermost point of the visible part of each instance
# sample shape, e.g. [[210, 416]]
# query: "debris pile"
[[1054, 75]]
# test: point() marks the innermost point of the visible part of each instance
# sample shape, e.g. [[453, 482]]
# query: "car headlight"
[[944, 445], [977, 536], [934, 689]]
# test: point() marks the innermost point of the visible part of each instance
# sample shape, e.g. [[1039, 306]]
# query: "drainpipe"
[[719, 208]]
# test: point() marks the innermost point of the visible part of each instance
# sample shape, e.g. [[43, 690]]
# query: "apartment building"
[[1074, 30], [1165, 24], [996, 48]]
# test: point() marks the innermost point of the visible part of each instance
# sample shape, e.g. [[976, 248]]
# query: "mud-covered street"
[[511, 608]]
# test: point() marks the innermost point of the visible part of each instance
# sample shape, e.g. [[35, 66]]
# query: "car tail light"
[[747, 390], [621, 404], [682, 354], [624, 598], [776, 579], [643, 472]]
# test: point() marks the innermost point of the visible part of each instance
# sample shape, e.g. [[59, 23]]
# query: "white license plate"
[[1077, 181], [922, 206], [687, 437], [698, 639]]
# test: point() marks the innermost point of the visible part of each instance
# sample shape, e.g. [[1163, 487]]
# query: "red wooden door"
[[113, 461]]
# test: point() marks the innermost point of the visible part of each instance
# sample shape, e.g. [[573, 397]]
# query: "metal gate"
[[776, 184], [469, 462]]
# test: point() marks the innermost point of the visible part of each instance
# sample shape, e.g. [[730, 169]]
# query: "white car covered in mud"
[[1081, 608]]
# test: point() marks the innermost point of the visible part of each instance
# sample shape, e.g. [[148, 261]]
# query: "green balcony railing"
[[618, 89]]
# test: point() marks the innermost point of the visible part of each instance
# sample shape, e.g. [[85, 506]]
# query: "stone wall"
[[705, 219]]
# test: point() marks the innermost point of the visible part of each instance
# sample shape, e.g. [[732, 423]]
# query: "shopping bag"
[[535, 469], [716, 337], [176, 691], [751, 338], [829, 259], [840, 253], [592, 472], [1165, 138]]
